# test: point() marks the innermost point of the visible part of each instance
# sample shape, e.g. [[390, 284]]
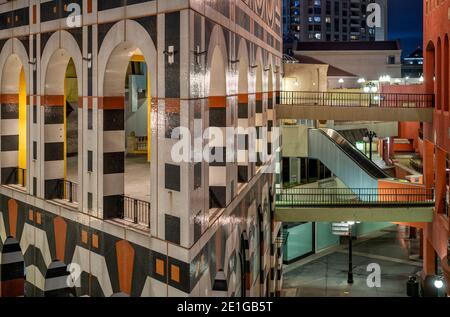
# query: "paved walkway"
[[325, 275]]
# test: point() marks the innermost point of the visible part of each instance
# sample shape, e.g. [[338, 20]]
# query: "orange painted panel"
[[10, 98], [112, 103], [217, 102], [12, 213], [125, 265], [175, 273], [243, 98], [399, 191], [160, 267], [13, 288], [60, 227], [53, 101]]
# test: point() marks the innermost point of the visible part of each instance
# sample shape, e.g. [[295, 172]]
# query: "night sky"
[[406, 23]]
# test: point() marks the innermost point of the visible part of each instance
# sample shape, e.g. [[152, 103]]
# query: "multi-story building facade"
[[333, 20], [133, 72], [437, 136]]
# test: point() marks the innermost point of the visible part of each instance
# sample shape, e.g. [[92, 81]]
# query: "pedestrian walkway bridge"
[[357, 204], [345, 106]]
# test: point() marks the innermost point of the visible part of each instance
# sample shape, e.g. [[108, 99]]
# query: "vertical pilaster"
[[9, 138], [218, 164], [113, 155], [54, 145], [244, 164]]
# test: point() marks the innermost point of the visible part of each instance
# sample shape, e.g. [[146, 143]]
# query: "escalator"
[[349, 164]]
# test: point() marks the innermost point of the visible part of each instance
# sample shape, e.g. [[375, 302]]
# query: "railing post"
[[70, 192], [135, 211]]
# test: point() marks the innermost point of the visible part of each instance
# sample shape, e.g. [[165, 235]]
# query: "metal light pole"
[[370, 136], [350, 254]]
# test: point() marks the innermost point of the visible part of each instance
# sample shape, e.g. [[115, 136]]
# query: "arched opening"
[[14, 123], [438, 76], [127, 135], [58, 281], [445, 83], [12, 269], [61, 129], [71, 133], [221, 181], [246, 168], [430, 68]]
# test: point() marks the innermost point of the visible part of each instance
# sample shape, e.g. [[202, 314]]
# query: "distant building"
[[412, 65], [332, 20], [355, 60]]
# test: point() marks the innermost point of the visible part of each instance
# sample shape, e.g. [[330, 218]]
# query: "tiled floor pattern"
[[326, 276]]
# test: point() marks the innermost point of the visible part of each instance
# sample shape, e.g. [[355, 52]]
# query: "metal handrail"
[[355, 99], [341, 197], [21, 177], [136, 211], [68, 191]]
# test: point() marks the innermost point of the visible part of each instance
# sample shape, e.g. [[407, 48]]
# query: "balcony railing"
[[136, 211], [351, 99], [364, 197], [68, 190], [21, 177]]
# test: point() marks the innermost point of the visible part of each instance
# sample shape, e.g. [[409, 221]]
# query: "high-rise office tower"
[[333, 20]]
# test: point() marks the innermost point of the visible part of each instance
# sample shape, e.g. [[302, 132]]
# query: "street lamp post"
[[350, 254], [370, 137]]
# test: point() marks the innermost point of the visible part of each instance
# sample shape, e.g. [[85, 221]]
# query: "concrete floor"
[[137, 177], [326, 275]]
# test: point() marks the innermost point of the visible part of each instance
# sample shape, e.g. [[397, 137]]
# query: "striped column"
[[113, 155], [220, 286], [270, 121], [218, 170], [262, 252], [279, 267], [9, 138], [57, 281], [247, 275], [259, 124], [12, 270], [54, 145], [245, 170]]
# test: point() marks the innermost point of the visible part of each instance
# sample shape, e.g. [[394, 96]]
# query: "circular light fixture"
[[374, 89], [366, 89], [341, 81], [361, 81], [438, 283]]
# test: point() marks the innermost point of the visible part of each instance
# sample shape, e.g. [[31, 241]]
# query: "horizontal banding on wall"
[[112, 103], [172, 105], [9, 98], [217, 102], [243, 98], [52, 101]]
